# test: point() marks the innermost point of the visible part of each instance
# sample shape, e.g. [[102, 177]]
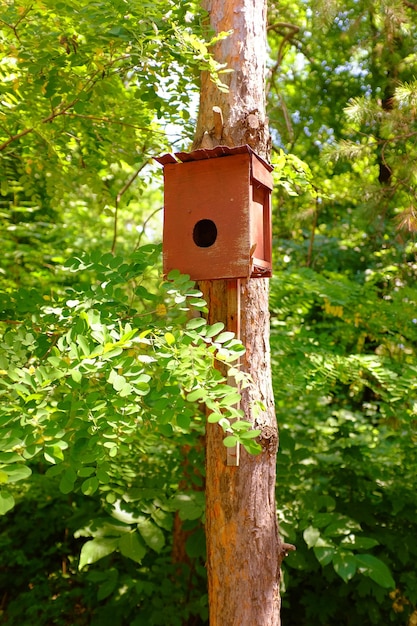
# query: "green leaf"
[[358, 543], [343, 526], [189, 507], [344, 565], [103, 475], [252, 447], [324, 554], [169, 338], [183, 421], [53, 454], [195, 545], [163, 519], [18, 472], [109, 584], [230, 441], [132, 546], [66, 484], [197, 395], [241, 426], [117, 381], [231, 399], [174, 275], [311, 536], [214, 418], [6, 502], [84, 345], [250, 434], [376, 570], [198, 303], [152, 534], [76, 375], [196, 322], [84, 472], [96, 549], [214, 329], [90, 486], [226, 336], [110, 352]]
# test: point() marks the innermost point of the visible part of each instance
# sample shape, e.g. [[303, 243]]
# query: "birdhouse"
[[217, 219]]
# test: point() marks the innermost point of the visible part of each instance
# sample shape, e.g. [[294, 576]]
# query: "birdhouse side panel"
[[260, 212], [260, 229], [257, 222], [261, 172], [206, 219]]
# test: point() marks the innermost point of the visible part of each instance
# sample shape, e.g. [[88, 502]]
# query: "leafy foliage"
[[102, 371], [77, 374], [101, 382], [104, 366], [117, 590], [343, 304]]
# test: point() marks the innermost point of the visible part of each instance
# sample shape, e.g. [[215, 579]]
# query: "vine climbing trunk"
[[243, 546]]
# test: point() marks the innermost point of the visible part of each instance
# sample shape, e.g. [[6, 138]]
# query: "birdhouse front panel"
[[217, 214]]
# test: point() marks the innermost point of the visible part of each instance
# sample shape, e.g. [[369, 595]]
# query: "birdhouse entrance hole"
[[205, 233]]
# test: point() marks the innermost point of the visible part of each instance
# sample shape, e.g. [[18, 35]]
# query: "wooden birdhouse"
[[217, 220]]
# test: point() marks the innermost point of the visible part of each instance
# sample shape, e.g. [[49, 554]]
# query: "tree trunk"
[[243, 546]]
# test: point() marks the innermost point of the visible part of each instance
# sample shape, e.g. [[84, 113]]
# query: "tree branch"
[[145, 223], [50, 118], [287, 119], [293, 30], [57, 113], [109, 120], [286, 37], [13, 27], [279, 25]]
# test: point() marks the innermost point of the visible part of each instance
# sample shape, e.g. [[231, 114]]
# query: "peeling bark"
[[244, 51]]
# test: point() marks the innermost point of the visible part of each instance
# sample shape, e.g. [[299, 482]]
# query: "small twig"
[[50, 118], [117, 203], [13, 27], [287, 37], [142, 232], [287, 119], [55, 337], [279, 25], [89, 84], [22, 17], [286, 548], [109, 120], [293, 30]]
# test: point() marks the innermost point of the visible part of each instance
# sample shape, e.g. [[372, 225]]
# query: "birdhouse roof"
[[214, 153]]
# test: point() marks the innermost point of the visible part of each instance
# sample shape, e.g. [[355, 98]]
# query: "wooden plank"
[[233, 324], [260, 171]]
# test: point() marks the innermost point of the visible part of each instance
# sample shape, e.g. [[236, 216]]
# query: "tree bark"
[[243, 546], [244, 52]]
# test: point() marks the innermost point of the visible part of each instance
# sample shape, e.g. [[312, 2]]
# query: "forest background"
[[101, 373]]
